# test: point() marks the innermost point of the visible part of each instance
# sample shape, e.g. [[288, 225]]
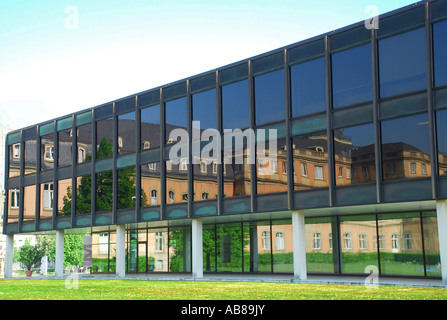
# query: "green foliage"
[[73, 248], [29, 255]]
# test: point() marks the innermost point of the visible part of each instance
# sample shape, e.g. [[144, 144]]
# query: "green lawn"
[[92, 289]]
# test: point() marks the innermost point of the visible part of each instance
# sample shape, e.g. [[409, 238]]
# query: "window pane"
[[150, 184], [126, 133], [13, 206], [441, 127], [440, 53], [319, 245], [310, 161], [104, 138], [209, 248], [308, 87], [431, 241], [235, 101], [84, 194], [176, 116], [354, 155], [30, 156], [402, 65], [150, 127], [204, 109], [84, 143], [358, 239], [229, 247], [282, 246], [46, 200], [14, 160], [65, 157], [64, 197], [269, 97], [401, 245], [158, 249], [104, 191], [29, 208], [179, 249], [351, 76], [177, 181], [126, 188], [47, 152], [404, 149]]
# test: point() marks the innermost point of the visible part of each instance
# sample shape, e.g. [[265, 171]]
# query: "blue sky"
[[51, 66]]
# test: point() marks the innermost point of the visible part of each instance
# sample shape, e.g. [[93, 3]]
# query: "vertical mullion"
[[114, 167], [328, 78], [137, 163], [55, 175], [74, 153], [38, 166], [251, 147], [289, 151], [376, 114], [21, 188], [431, 115], [190, 164], [219, 161]]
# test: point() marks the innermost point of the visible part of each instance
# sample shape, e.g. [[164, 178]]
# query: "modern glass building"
[[358, 178]]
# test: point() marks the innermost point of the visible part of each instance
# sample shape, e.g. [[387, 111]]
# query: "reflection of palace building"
[[356, 178]]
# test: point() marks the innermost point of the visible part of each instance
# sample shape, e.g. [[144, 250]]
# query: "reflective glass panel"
[[14, 160], [310, 161], [308, 88], [126, 188], [431, 244], [440, 53], [47, 155], [351, 76], [64, 197], [84, 194], [358, 238], [441, 127], [319, 245], [282, 246], [180, 249], [402, 65], [100, 252], [150, 128], [65, 157], [400, 244], [30, 156], [84, 140], [176, 117], [260, 247], [354, 155], [406, 153], [177, 181], [157, 244], [150, 184], [46, 200], [235, 102], [204, 109], [13, 205], [229, 247], [104, 191], [209, 248], [29, 203], [269, 97], [127, 132], [104, 138]]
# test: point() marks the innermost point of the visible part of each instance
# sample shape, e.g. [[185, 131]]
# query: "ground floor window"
[[394, 243]]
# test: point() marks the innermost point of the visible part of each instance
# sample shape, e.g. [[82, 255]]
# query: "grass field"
[[95, 289]]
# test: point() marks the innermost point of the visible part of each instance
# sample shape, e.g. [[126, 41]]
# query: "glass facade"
[[333, 121]]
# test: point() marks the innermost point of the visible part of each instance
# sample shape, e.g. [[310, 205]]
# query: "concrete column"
[[441, 212], [59, 267], [299, 245], [197, 248], [120, 251], [9, 254]]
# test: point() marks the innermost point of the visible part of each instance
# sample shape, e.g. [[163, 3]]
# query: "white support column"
[[441, 212], [197, 248], [120, 251], [9, 254], [59, 267], [299, 245]]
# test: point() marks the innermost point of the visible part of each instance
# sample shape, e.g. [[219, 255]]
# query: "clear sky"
[[58, 57]]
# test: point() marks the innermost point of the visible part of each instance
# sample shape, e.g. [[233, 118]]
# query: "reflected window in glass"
[[150, 128], [176, 117], [401, 148], [126, 133]]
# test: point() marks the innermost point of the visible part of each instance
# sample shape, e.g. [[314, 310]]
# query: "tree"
[[30, 255]]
